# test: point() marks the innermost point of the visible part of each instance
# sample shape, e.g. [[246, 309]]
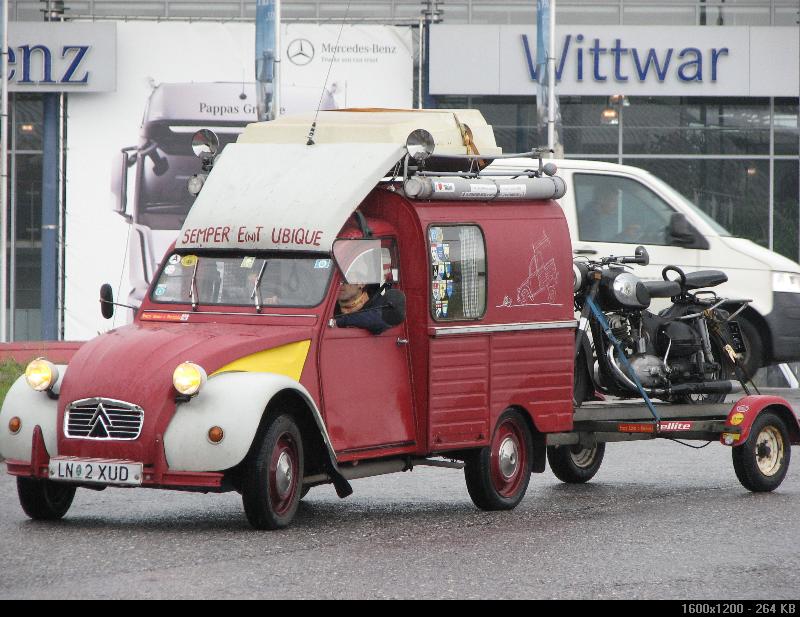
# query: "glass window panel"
[[457, 272], [27, 115], [735, 193], [581, 14], [787, 138], [737, 16], [680, 15], [786, 228], [786, 16], [28, 194], [509, 14], [381, 10]]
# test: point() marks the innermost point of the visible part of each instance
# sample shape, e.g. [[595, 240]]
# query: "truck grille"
[[103, 418]]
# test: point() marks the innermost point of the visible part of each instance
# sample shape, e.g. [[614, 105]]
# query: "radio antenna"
[[313, 129]]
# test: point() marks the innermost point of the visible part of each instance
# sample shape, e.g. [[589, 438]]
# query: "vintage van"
[[646, 211], [235, 375]]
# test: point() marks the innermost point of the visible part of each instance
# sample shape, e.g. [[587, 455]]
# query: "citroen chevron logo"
[[99, 423], [300, 52]]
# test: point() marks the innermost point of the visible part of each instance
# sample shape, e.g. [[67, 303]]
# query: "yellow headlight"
[[41, 375], [188, 378]]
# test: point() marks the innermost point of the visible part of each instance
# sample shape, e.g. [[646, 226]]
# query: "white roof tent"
[[273, 191]]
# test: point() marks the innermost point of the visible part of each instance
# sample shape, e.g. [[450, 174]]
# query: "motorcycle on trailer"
[[687, 353]]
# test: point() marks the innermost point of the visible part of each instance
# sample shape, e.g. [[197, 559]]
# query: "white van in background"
[[613, 208]]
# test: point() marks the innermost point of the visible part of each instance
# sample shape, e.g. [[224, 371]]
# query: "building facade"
[[736, 155]]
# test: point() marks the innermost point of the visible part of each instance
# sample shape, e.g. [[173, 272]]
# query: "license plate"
[[96, 471]]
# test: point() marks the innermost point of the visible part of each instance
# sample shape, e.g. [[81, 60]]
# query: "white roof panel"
[[287, 197]]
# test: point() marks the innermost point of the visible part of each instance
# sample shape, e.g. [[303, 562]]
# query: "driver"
[[356, 309], [603, 219]]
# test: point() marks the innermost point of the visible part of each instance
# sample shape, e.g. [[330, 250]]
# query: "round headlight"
[[625, 288], [41, 375], [188, 378]]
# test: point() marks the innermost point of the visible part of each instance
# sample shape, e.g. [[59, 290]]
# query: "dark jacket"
[[369, 317]]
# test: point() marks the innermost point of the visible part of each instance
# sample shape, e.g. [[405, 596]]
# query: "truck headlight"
[[786, 282], [188, 378], [41, 375]]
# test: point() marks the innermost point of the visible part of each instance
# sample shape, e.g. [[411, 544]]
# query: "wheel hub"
[[509, 458], [283, 474], [769, 451]]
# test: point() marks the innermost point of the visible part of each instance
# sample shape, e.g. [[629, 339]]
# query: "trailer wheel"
[[762, 461], [575, 464], [497, 476], [44, 500], [273, 476]]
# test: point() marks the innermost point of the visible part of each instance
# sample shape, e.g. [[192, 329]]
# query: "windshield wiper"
[[257, 287], [193, 286]]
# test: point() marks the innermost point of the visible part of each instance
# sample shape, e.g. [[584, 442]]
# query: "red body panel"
[[751, 406]]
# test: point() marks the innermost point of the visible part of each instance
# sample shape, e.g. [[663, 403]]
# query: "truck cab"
[[242, 369]]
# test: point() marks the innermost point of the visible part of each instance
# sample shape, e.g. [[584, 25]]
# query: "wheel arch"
[[745, 411], [758, 321], [538, 439]]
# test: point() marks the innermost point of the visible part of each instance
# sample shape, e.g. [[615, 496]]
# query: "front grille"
[[103, 418]]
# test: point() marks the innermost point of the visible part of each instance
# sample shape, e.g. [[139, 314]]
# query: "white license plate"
[[96, 471]]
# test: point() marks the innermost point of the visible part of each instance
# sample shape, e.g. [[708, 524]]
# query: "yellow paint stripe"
[[284, 360]]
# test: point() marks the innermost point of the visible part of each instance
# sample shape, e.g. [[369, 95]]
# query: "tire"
[[762, 461], [273, 476], [497, 476], [44, 500], [754, 357], [575, 464]]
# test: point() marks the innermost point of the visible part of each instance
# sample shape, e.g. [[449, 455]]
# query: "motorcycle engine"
[[649, 369], [684, 340]]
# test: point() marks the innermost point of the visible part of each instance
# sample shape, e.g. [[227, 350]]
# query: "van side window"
[[457, 272], [616, 209]]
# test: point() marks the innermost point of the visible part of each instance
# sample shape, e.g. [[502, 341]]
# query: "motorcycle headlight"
[[580, 276], [788, 282], [188, 378], [625, 289], [41, 375]]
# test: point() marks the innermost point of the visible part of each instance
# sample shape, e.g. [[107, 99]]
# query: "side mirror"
[[394, 307], [642, 256], [205, 145], [119, 182], [682, 233], [106, 301]]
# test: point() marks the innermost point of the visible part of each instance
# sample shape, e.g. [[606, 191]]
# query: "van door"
[[366, 383], [616, 213]]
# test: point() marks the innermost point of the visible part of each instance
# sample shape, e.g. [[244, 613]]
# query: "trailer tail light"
[[216, 434], [14, 425]]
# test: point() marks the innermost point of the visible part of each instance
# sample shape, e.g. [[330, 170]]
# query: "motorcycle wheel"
[[724, 372]]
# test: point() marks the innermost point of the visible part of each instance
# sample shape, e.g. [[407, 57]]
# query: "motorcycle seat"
[[705, 278], [662, 289]]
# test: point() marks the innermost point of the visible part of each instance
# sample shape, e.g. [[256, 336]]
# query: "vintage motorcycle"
[[687, 353]]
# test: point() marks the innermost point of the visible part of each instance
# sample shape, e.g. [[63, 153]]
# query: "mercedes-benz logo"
[[300, 52]]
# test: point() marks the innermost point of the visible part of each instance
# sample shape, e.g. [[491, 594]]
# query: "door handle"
[[584, 252], [402, 341]]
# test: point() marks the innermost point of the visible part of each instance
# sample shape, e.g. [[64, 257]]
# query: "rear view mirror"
[[642, 256], [119, 182], [106, 301], [394, 307], [682, 233]]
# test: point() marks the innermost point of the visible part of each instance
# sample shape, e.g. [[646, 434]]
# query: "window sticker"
[[188, 261], [446, 248], [322, 264], [248, 262], [161, 290], [444, 308], [170, 269], [174, 259]]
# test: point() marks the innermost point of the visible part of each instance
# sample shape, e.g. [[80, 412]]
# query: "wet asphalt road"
[[658, 521]]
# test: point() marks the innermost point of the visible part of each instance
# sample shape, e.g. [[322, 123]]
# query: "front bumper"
[[784, 327], [157, 475]]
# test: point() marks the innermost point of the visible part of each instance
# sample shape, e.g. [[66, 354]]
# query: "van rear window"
[[457, 272]]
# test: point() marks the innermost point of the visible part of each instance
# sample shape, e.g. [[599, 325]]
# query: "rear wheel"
[[497, 476], [724, 371], [575, 464], [273, 476], [754, 348], [44, 500], [762, 461]]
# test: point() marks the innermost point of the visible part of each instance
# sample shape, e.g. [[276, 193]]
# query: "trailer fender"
[[236, 403], [33, 409], [745, 411]]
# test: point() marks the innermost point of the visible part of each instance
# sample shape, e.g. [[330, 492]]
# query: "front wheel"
[[762, 461], [273, 476], [44, 500], [497, 476], [575, 464]]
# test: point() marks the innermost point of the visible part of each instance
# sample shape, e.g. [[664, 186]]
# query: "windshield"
[[719, 229], [227, 280]]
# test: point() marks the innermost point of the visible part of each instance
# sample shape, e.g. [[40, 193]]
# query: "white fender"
[[32, 408], [236, 403]]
